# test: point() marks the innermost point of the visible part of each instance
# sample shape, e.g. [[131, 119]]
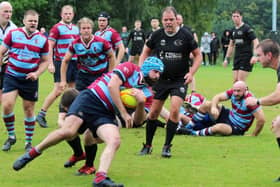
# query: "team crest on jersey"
[[161, 55], [178, 42], [126, 70], [239, 32], [162, 42]]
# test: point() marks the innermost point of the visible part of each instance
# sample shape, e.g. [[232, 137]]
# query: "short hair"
[[67, 7], [237, 11], [4, 3], [154, 18], [269, 45], [178, 14], [85, 20], [169, 9], [30, 12], [68, 97]]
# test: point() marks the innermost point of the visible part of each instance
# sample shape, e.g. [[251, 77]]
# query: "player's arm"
[[43, 64], [195, 37], [254, 58], [41, 68], [272, 99], [63, 69], [197, 59], [114, 89], [229, 53], [215, 103], [260, 120], [121, 51], [255, 43], [3, 50], [112, 60], [145, 54], [51, 66], [140, 114]]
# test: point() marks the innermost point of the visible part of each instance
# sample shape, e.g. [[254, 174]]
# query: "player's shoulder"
[[158, 33], [111, 29], [185, 31]]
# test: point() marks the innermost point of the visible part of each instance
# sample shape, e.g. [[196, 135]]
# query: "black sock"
[[151, 128], [170, 131], [91, 151], [76, 146], [278, 141]]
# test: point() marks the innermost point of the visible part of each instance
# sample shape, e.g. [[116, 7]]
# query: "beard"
[[150, 81], [239, 98]]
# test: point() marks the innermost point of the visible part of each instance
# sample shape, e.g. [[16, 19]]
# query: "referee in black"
[[173, 46]]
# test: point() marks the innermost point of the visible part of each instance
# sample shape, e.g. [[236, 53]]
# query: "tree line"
[[201, 15]]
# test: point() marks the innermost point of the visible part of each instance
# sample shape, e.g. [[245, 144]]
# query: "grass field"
[[196, 162]]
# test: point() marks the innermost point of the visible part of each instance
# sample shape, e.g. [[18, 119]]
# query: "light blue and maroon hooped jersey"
[[24, 51], [131, 77], [111, 35], [92, 57], [240, 114], [63, 35]]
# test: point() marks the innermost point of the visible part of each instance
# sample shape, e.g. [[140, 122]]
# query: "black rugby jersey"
[[242, 39], [174, 51], [137, 37]]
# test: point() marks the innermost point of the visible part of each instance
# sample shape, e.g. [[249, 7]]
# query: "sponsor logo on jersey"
[[178, 42], [173, 56], [239, 41]]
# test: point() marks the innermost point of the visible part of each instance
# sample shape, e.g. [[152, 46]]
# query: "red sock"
[[100, 176], [34, 153]]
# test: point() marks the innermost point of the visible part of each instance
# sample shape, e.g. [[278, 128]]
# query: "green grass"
[[196, 162]]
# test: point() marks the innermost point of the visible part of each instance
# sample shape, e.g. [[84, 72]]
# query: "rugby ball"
[[128, 99]]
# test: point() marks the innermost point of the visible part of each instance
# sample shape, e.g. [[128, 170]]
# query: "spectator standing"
[[205, 47], [214, 48]]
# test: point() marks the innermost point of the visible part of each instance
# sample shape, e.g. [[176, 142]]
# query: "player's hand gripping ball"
[[128, 99]]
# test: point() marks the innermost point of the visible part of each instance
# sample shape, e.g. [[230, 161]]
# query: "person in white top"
[[6, 11], [205, 47]]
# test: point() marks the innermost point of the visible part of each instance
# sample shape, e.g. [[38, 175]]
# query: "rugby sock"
[[204, 132], [170, 131], [151, 128], [34, 152], [278, 141], [29, 124], [42, 113], [76, 146], [9, 121], [91, 151], [100, 176], [197, 117]]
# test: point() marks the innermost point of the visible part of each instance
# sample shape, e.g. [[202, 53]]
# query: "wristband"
[[258, 102]]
